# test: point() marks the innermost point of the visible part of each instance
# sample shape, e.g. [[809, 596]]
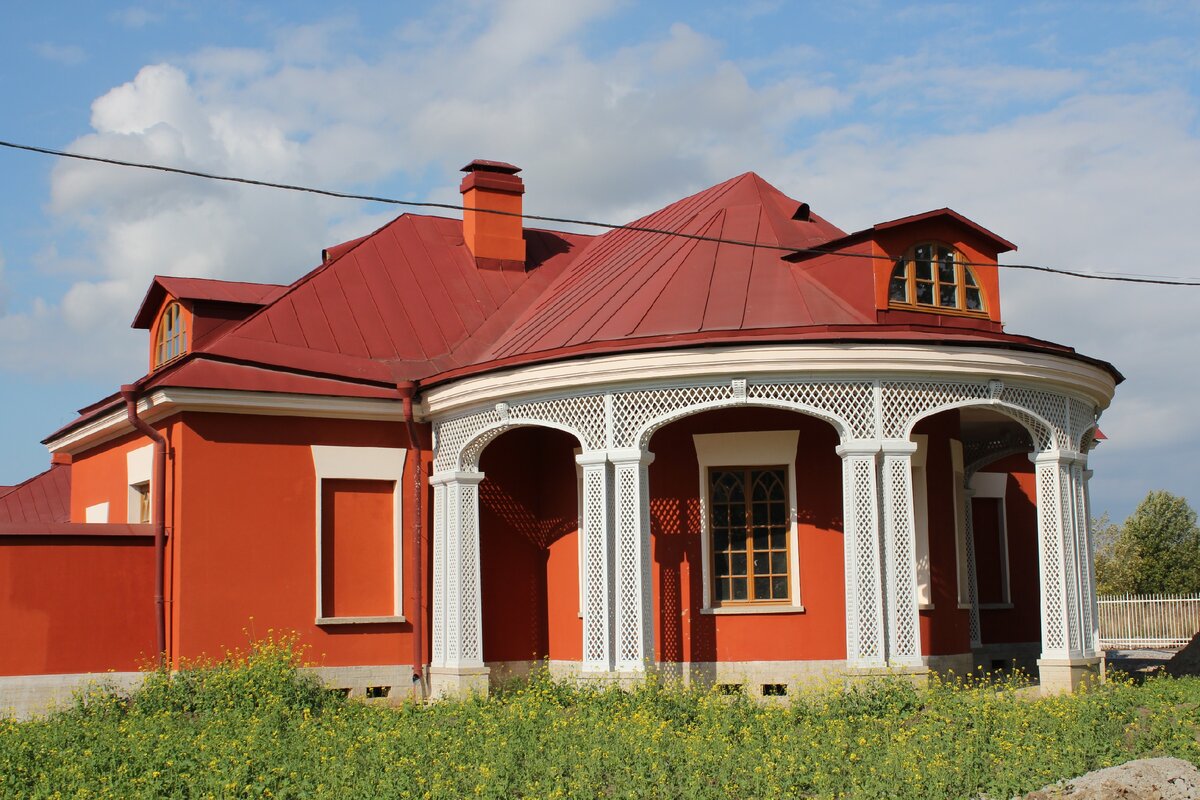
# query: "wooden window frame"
[[748, 449], [962, 272], [747, 531], [170, 342]]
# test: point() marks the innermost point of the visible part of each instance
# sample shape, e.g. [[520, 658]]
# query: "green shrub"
[[254, 726]]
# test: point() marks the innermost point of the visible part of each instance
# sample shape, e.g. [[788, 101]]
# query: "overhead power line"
[[1165, 281]]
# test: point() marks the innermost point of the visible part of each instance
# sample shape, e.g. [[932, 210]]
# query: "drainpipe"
[[407, 390], [159, 515]]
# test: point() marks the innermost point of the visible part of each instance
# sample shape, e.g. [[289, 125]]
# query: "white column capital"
[[630, 455], [1064, 457], [898, 447], [850, 448], [468, 478], [592, 458]]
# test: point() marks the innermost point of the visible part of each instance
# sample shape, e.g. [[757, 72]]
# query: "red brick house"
[[754, 453]]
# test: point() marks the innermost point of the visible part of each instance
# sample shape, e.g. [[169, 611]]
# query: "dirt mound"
[[1147, 779], [1187, 660]]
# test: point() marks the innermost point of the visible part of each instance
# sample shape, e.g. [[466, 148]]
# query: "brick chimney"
[[493, 185]]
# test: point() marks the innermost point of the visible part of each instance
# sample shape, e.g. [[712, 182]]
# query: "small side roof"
[[1002, 245], [237, 292], [44, 498]]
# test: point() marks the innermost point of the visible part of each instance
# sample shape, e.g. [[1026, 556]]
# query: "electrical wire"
[[569, 221]]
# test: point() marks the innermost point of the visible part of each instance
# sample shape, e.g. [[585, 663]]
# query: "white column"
[[866, 640], [1090, 581], [900, 555], [1068, 643], [457, 611], [596, 574], [633, 591]]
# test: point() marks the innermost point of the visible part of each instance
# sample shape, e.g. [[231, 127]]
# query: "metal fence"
[[1129, 622]]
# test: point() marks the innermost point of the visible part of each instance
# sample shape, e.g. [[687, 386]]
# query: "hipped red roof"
[[409, 302]]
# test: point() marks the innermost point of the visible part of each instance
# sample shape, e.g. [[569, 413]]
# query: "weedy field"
[[253, 726]]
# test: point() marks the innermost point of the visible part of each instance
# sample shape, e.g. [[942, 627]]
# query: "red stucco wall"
[[529, 547], [246, 542], [1021, 623], [945, 629], [76, 604], [682, 633]]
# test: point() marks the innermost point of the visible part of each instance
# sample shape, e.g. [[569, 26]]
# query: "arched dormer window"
[[171, 341], [933, 276]]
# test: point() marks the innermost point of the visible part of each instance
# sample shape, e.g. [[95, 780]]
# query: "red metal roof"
[[44, 498], [238, 292], [631, 284], [410, 302], [399, 305]]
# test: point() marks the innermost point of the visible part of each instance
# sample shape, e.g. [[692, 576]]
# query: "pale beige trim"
[[138, 464], [164, 402], [752, 608], [1066, 375], [332, 462]]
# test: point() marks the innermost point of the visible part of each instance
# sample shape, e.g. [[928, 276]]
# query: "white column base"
[[1059, 675], [457, 681]]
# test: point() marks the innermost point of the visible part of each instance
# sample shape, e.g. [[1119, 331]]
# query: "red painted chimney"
[[493, 186]]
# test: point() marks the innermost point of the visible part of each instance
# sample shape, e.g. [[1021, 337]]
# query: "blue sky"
[[1068, 128]]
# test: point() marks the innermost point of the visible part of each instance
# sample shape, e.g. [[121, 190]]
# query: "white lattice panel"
[[450, 436], [848, 404], [1083, 419], [1070, 558], [971, 576], [1087, 584], [903, 401], [1046, 405], [632, 411], [439, 575], [900, 548], [596, 590], [471, 647], [1054, 635], [583, 414], [863, 580], [628, 558]]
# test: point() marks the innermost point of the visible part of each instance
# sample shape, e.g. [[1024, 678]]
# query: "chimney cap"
[[483, 165]]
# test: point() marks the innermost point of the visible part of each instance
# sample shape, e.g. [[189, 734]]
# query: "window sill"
[[359, 620], [925, 606], [995, 606], [730, 610]]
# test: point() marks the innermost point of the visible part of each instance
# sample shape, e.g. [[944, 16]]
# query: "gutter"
[[407, 390], [158, 490]]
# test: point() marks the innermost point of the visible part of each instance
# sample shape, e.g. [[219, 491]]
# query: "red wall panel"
[[682, 632], [75, 604]]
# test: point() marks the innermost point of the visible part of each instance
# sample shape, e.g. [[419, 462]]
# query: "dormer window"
[[171, 342], [933, 276]]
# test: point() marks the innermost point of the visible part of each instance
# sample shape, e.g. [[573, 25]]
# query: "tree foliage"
[[1156, 551]]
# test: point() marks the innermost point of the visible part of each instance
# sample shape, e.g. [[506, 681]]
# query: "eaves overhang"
[[162, 403]]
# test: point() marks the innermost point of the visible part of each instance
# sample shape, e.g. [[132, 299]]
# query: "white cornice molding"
[[888, 361], [165, 402]]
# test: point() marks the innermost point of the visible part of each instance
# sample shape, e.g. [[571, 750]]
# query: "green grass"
[[253, 726]]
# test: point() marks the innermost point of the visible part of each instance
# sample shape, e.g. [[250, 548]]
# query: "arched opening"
[[529, 550], [747, 546], [975, 510]]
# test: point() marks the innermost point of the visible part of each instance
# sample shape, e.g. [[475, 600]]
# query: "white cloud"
[[69, 55], [136, 16]]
